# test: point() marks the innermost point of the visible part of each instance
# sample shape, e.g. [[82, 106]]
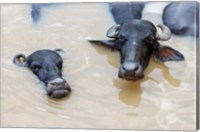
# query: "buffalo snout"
[[58, 88], [131, 71]]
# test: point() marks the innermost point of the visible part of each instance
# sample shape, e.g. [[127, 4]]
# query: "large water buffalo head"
[[47, 66], [137, 40]]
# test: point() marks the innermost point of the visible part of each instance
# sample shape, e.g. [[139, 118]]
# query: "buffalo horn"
[[113, 31], [165, 35]]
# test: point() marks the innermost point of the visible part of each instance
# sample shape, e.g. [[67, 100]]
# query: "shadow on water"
[[130, 91]]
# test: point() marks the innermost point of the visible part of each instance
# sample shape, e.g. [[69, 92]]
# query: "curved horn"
[[20, 60], [113, 31], [166, 33]]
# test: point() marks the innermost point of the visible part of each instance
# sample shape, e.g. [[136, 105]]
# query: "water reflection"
[[165, 72], [130, 91], [57, 103]]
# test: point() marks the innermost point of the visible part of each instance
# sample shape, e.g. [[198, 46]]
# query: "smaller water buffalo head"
[[47, 66], [137, 40]]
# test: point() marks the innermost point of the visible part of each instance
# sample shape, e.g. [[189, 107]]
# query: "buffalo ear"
[[108, 43], [20, 60], [166, 53]]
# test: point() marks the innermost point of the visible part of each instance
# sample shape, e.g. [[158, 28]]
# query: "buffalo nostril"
[[54, 83], [136, 68]]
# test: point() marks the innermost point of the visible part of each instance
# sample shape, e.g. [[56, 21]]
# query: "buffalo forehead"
[[137, 28], [43, 55]]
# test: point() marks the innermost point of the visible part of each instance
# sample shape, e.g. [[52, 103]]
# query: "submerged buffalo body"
[[36, 12], [182, 18], [136, 40], [47, 66]]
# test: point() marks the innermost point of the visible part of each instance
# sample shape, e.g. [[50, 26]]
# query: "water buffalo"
[[47, 66], [137, 40], [182, 18], [36, 12]]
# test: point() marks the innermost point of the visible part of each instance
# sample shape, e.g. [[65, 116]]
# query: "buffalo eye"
[[150, 38], [59, 65], [122, 38], [36, 67]]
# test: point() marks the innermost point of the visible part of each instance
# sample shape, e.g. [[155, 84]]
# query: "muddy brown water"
[[164, 99]]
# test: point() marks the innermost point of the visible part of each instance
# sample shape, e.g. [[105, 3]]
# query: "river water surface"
[[164, 99]]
